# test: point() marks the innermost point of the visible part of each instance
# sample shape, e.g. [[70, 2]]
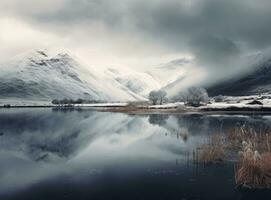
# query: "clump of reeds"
[[213, 151], [253, 170], [261, 140]]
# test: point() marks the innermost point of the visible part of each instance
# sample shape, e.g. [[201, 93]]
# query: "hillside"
[[37, 75]]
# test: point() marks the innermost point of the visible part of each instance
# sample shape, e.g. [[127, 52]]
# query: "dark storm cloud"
[[214, 31], [213, 50]]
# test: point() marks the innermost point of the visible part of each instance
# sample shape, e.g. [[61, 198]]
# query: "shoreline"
[[144, 111]]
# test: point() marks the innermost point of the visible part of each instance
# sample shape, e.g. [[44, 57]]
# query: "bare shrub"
[[194, 96]]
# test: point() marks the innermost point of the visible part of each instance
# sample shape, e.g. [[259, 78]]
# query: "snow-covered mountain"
[[38, 75], [43, 76], [138, 82]]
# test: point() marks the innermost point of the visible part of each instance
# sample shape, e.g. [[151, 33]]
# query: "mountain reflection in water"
[[84, 154]]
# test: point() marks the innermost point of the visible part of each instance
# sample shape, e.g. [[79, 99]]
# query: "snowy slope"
[[38, 75], [167, 73], [138, 82]]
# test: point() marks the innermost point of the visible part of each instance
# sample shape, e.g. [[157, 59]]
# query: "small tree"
[[55, 101], [196, 95], [157, 96], [219, 98], [162, 96], [153, 97]]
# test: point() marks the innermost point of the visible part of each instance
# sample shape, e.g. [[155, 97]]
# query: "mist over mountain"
[[255, 80]]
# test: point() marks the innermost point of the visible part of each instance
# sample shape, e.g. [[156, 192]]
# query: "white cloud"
[[139, 33], [17, 36]]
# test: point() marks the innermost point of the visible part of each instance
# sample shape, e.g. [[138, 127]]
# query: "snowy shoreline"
[[161, 109], [240, 104]]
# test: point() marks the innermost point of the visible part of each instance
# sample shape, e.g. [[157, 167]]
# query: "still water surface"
[[84, 154]]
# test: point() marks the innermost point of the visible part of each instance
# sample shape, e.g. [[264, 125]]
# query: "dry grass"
[[213, 151], [261, 140], [253, 170]]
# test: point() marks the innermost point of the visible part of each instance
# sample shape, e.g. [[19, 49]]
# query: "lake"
[[84, 154]]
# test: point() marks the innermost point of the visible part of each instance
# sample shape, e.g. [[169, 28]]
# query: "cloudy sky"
[[139, 33]]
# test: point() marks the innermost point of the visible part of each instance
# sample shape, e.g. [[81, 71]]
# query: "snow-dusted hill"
[[138, 82], [37, 75]]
